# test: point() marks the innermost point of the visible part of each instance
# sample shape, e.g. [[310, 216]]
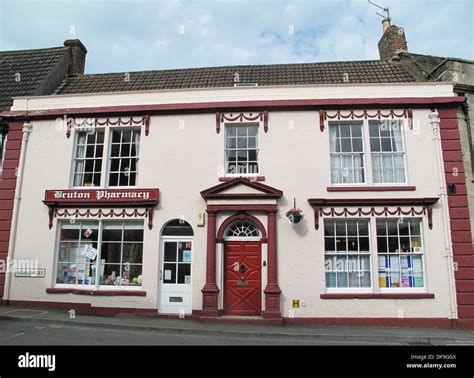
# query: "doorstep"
[[241, 319]]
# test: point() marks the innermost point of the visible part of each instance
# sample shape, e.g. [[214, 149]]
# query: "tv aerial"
[[385, 10]]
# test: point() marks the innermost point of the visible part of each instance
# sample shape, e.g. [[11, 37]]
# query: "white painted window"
[[388, 151], [117, 253], [88, 158], [400, 253], [241, 149], [347, 153], [347, 253], [89, 168], [123, 157]]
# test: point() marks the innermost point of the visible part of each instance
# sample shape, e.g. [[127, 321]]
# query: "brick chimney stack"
[[393, 40], [77, 57]]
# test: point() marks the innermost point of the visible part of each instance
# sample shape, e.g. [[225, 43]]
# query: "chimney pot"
[[385, 24], [77, 57]]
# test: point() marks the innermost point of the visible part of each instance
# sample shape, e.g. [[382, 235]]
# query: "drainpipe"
[[27, 129], [434, 120]]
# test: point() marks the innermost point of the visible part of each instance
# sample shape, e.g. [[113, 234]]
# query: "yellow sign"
[[296, 303]]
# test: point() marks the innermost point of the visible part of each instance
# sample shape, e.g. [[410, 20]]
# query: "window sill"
[[370, 188], [250, 177], [60, 290], [379, 296]]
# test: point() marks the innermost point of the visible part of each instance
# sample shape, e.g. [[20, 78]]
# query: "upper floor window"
[[88, 158], [388, 152], [124, 157], [122, 151], [241, 149], [347, 153]]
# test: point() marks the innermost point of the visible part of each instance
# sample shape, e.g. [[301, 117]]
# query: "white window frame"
[[403, 152], [367, 155], [74, 153], [402, 290], [257, 136], [109, 157], [106, 160], [351, 290], [363, 153], [97, 285]]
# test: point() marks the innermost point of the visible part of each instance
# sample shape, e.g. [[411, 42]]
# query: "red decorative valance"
[[97, 122], [364, 114], [400, 207], [241, 117], [105, 213]]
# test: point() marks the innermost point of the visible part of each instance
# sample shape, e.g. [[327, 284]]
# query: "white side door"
[[175, 275]]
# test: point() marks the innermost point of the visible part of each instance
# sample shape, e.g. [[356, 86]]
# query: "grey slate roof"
[[33, 67], [372, 71]]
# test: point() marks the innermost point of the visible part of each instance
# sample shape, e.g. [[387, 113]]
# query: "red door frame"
[[245, 300]]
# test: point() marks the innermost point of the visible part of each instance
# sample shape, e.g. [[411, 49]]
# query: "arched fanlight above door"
[[177, 227], [242, 229]]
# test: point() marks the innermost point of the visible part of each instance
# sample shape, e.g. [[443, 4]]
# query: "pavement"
[[290, 332]]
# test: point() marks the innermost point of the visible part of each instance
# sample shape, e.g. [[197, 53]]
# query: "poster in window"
[[89, 251], [418, 280], [187, 255], [417, 263], [167, 275], [187, 279]]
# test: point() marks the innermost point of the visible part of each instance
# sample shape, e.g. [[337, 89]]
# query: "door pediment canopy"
[[241, 188]]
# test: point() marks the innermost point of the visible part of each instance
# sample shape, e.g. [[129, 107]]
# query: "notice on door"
[[167, 275]]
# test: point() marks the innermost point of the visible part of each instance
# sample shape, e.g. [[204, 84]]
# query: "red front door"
[[243, 278]]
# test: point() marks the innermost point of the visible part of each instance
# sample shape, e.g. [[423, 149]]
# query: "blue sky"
[[124, 36]]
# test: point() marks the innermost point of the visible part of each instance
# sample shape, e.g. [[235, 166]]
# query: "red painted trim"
[[322, 118], [210, 290], [7, 188], [251, 218], [230, 207], [460, 221], [88, 213], [86, 308], [251, 178], [242, 196], [147, 125], [369, 188], [88, 123], [127, 293], [319, 204], [272, 290], [369, 103], [218, 122], [328, 202], [214, 192], [377, 296], [442, 323]]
